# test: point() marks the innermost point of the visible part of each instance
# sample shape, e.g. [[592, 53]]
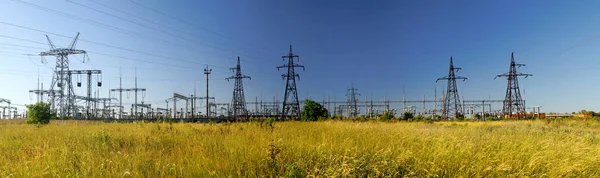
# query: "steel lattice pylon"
[[514, 105], [65, 101], [238, 101], [451, 106], [291, 106], [352, 101]]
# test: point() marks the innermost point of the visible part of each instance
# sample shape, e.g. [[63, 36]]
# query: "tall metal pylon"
[[238, 100], [514, 105], [64, 103], [352, 101], [451, 106], [291, 106]]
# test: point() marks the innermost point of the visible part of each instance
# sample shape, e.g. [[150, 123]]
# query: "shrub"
[[460, 117], [39, 113], [387, 116], [312, 111], [407, 116]]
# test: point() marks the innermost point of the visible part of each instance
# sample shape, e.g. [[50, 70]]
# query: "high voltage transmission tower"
[[238, 100], [65, 101], [514, 105], [451, 106], [291, 106], [352, 101]]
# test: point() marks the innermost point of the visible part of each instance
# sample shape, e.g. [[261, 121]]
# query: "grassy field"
[[290, 149]]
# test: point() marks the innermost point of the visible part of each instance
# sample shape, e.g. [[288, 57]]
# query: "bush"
[[312, 111], [460, 117], [407, 116], [387, 116], [39, 113]]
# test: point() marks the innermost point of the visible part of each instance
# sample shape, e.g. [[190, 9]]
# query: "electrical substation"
[[187, 107]]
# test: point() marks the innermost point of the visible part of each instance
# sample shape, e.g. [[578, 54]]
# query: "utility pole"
[[120, 95], [404, 100], [423, 111], [167, 102], [38, 87], [291, 105], [514, 105], [434, 103], [452, 107], [207, 71], [194, 104]]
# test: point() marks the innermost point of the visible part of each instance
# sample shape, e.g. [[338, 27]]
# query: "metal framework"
[[177, 96], [135, 91], [65, 101], [89, 73], [451, 106], [291, 107], [352, 101], [193, 100], [4, 115], [238, 101], [514, 105]]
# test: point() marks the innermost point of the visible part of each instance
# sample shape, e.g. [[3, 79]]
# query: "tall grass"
[[297, 149]]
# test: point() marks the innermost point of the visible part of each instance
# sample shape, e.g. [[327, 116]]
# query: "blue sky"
[[381, 47]]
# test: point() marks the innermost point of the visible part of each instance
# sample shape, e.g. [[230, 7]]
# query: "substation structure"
[[65, 102], [375, 108], [61, 93], [8, 111]]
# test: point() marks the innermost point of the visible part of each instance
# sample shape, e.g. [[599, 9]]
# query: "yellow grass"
[[346, 149]]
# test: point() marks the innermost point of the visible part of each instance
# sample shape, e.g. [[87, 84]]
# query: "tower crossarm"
[[148, 106], [79, 72], [179, 96], [5, 101], [293, 65]]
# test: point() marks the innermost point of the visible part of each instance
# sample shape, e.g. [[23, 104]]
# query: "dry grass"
[[340, 149]]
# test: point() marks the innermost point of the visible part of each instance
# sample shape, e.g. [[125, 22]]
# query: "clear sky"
[[380, 46]]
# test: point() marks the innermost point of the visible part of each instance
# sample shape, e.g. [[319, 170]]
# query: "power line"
[[187, 23], [115, 56], [91, 52], [148, 27], [106, 45], [132, 15], [132, 33]]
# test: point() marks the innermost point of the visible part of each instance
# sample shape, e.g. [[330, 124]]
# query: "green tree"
[[39, 113], [313, 110]]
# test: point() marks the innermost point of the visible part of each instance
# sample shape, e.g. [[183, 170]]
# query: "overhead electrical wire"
[[187, 23], [121, 30]]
